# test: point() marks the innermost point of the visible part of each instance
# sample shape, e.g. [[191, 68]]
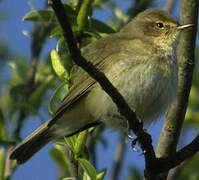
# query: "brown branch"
[[174, 119], [143, 138], [185, 153]]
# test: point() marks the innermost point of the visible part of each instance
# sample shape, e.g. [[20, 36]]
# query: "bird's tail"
[[32, 144]]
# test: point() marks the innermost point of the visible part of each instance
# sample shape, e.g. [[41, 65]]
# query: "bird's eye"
[[160, 25]]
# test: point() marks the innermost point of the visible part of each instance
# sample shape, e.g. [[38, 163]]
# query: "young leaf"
[[101, 174], [47, 15], [2, 163], [52, 107], [80, 143], [101, 27], [88, 168], [2, 126], [60, 158], [56, 31], [71, 13], [58, 66], [70, 141], [40, 16], [69, 178], [86, 176], [92, 33], [60, 44]]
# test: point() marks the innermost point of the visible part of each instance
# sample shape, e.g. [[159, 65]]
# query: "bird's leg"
[[134, 140]]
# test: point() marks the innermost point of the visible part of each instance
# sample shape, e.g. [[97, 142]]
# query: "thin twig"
[[75, 166], [169, 5], [176, 171], [36, 48], [119, 157], [8, 170], [185, 153]]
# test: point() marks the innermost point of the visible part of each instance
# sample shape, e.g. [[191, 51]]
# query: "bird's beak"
[[182, 27]]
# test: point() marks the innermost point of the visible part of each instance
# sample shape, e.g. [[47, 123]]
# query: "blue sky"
[[41, 166]]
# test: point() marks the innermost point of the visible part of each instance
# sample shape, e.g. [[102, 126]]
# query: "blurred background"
[[28, 81]]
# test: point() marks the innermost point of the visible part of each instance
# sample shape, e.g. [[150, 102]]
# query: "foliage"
[[56, 73]]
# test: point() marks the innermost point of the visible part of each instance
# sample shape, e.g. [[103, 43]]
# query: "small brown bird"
[[141, 63]]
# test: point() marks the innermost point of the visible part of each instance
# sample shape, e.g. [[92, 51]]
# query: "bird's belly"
[[147, 90]]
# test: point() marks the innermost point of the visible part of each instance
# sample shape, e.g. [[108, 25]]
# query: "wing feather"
[[97, 53]]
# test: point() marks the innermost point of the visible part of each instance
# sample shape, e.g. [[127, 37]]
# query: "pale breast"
[[148, 88]]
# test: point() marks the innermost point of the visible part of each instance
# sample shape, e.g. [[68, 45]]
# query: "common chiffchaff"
[[141, 63]]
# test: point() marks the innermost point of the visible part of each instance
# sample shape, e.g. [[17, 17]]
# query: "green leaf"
[[84, 12], [80, 143], [13, 165], [69, 178], [70, 141], [52, 107], [2, 163], [88, 168], [17, 92], [40, 16], [20, 72], [71, 13], [58, 66], [2, 126], [86, 176], [95, 27], [92, 34], [135, 174], [56, 31], [61, 44], [47, 15], [60, 158], [101, 174], [101, 27]]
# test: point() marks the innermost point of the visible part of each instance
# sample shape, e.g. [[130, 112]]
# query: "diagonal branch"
[[185, 153]]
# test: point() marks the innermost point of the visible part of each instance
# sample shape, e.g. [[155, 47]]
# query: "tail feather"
[[38, 139], [32, 144]]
